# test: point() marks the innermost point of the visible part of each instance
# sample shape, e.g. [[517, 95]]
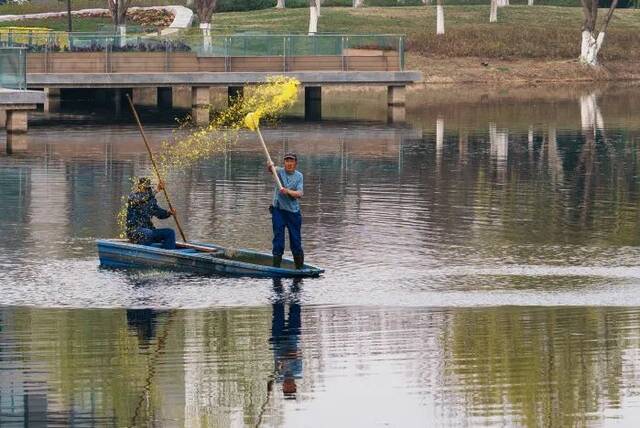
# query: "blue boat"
[[203, 259]]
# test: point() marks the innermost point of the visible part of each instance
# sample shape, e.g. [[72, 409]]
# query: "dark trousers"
[[166, 236], [293, 222]]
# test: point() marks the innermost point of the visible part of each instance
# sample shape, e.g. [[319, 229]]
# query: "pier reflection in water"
[[476, 259]]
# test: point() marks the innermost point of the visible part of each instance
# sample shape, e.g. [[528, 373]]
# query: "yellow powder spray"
[[267, 101]]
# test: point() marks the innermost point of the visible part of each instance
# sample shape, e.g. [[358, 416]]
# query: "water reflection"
[[220, 367], [285, 338], [476, 257], [461, 198]]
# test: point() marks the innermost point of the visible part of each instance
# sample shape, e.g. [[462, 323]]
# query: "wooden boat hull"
[[202, 259]]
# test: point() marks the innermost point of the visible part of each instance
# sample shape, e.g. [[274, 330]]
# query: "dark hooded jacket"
[[141, 207]]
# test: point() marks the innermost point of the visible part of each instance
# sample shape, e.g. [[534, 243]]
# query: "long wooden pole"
[[155, 167], [266, 153]]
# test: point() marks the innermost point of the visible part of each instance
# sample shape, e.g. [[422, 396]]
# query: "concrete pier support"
[[200, 105], [16, 121], [165, 98], [118, 99], [17, 143], [181, 97], [3, 118], [53, 99], [234, 93], [147, 97], [313, 103], [396, 103]]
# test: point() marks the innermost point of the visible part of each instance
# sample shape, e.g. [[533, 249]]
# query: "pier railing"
[[194, 52], [13, 68]]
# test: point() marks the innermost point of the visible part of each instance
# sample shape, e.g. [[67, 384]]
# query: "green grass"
[[549, 32], [546, 32], [60, 24]]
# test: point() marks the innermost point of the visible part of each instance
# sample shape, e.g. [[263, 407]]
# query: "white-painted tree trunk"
[[439, 18], [122, 31], [313, 20], [590, 47], [426, 2], [529, 2], [358, 3], [206, 36], [318, 4], [280, 4], [503, 3], [530, 139], [493, 14]]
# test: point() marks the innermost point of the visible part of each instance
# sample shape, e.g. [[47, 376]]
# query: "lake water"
[[482, 268]]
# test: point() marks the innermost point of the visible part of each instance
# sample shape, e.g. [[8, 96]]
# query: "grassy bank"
[[60, 24], [539, 43], [541, 32], [545, 32]]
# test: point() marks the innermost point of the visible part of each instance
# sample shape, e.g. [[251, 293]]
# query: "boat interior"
[[230, 254]]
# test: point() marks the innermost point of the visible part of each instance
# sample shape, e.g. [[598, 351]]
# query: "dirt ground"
[[498, 72]]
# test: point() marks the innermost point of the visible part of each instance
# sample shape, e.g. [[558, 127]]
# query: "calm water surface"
[[482, 269]]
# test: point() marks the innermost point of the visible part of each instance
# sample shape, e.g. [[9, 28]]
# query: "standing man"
[[142, 205], [285, 211]]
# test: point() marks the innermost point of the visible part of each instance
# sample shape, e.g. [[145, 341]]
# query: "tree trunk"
[[318, 4], [280, 4], [439, 17], [206, 36], [493, 15], [118, 10], [529, 2], [503, 3], [591, 45], [426, 2], [313, 18], [122, 32], [591, 38], [204, 10], [69, 25], [358, 3]]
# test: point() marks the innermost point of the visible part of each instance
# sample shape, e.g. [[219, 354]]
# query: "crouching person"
[[142, 206]]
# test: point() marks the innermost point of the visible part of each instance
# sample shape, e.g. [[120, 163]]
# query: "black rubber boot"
[[277, 261], [299, 260]]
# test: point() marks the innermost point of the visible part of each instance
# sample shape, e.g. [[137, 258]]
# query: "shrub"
[[244, 5]]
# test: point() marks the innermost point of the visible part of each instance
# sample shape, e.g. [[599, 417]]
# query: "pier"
[[15, 100], [154, 68], [150, 88]]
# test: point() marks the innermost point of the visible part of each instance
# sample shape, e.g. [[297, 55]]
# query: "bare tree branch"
[[607, 18]]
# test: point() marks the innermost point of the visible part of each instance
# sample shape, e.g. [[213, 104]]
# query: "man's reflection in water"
[[143, 322], [285, 338]]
